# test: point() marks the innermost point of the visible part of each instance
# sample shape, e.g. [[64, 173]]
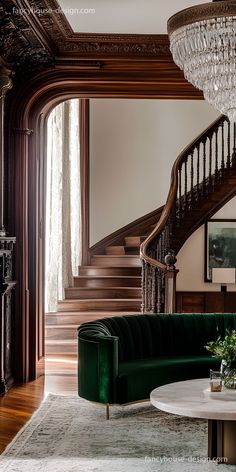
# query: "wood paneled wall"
[[206, 302]]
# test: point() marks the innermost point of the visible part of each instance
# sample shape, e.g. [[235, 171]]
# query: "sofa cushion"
[[137, 378]]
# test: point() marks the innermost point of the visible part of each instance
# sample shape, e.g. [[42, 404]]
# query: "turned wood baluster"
[[154, 290], [192, 177], [180, 192], [222, 150], [210, 161], [146, 286], [228, 143], [159, 291], [204, 168], [185, 186], [216, 154], [143, 286], [198, 169], [234, 144]]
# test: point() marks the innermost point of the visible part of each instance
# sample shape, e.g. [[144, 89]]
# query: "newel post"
[[170, 282]]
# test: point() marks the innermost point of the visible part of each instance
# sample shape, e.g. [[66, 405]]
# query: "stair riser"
[[91, 305], [73, 318], [134, 241], [116, 261], [125, 250], [61, 350], [107, 282], [111, 271], [55, 333], [92, 293]]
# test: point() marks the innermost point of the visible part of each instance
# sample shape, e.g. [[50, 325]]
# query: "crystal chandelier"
[[203, 45]]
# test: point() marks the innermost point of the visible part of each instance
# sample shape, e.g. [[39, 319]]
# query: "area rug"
[[68, 434]]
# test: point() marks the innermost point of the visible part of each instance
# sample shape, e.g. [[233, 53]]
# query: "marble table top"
[[188, 399]]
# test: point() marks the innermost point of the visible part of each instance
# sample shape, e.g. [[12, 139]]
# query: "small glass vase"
[[228, 373], [225, 368], [230, 379]]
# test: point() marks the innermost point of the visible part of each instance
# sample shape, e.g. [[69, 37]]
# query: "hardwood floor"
[[18, 405]]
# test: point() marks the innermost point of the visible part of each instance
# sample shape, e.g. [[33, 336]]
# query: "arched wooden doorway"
[[27, 113]]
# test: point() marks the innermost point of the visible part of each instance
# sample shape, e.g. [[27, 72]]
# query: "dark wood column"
[[6, 250], [5, 85]]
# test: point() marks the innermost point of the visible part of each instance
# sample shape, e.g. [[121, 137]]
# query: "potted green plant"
[[226, 350]]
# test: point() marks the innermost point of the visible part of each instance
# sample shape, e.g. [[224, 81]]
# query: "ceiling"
[[122, 16]]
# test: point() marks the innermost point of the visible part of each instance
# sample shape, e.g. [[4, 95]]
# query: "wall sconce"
[[224, 277]]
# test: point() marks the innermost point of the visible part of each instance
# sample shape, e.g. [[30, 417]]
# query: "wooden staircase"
[[203, 179], [110, 285]]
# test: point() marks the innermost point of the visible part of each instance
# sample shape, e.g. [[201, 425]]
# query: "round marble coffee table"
[[188, 399]]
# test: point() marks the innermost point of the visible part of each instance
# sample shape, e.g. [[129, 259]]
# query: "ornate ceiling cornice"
[[67, 41], [34, 35], [20, 45], [49, 23]]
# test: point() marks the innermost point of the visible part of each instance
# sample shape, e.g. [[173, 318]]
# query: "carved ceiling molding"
[[20, 46], [35, 34], [67, 41]]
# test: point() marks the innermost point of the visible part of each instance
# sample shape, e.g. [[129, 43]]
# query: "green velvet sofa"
[[123, 358]]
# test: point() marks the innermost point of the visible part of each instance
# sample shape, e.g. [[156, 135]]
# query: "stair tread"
[[104, 288], [61, 341], [83, 313], [112, 267], [69, 300], [69, 326], [107, 276], [116, 256]]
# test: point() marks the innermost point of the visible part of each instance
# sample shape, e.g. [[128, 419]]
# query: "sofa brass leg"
[[107, 411]]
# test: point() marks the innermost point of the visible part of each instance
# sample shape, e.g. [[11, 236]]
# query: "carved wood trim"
[[67, 41]]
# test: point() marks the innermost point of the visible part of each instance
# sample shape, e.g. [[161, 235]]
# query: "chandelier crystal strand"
[[206, 52]]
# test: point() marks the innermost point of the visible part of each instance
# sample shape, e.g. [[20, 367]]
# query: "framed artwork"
[[220, 246]]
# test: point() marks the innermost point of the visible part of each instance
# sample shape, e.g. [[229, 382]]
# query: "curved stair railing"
[[197, 172]]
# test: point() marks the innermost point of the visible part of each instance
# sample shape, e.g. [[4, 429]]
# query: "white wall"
[[191, 258], [133, 146]]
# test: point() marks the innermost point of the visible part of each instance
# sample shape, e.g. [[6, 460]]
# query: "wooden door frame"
[[27, 155]]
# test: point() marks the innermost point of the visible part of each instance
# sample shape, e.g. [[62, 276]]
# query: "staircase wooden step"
[[59, 347], [134, 241], [106, 292], [115, 250], [115, 260], [106, 281], [77, 318], [111, 271], [122, 250], [120, 304], [61, 332]]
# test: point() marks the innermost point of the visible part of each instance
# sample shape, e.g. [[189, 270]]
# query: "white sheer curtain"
[[63, 205]]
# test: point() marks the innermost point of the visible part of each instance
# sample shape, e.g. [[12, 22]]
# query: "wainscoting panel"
[[206, 302]]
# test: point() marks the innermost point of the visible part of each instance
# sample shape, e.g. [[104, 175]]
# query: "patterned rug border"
[[45, 405]]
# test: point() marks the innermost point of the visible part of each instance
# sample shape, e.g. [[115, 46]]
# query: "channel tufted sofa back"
[[155, 335]]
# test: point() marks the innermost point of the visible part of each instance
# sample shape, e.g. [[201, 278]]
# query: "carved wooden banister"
[[197, 171]]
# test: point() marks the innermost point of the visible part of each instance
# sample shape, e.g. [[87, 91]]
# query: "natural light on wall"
[[63, 212]]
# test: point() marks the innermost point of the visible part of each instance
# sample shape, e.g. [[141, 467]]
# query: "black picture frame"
[[220, 245]]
